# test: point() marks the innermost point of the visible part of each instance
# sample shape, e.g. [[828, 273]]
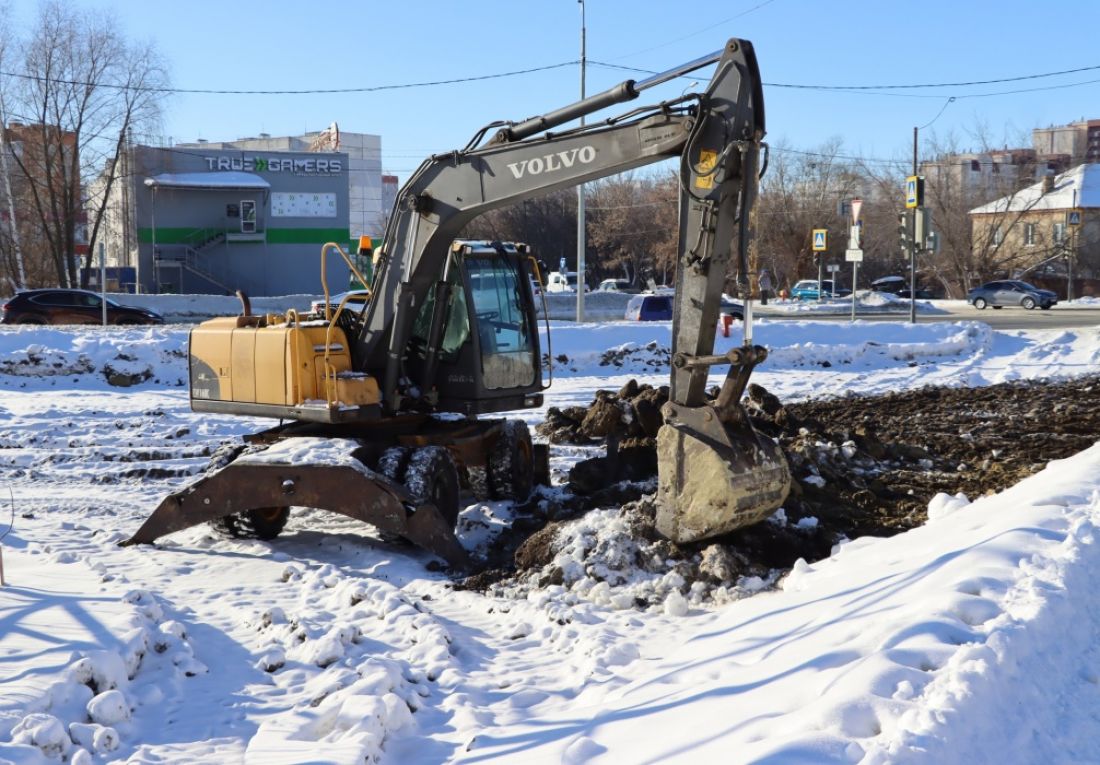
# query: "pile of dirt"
[[862, 465]]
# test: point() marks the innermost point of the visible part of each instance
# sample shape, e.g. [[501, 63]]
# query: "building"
[[1079, 141], [366, 210], [989, 173], [1050, 228], [40, 203], [251, 214]]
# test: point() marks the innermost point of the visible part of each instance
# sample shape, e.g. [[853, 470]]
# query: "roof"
[[1077, 187], [217, 180]]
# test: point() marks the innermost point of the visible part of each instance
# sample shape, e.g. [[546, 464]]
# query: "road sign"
[[855, 237], [821, 239], [914, 191], [833, 267], [1073, 218], [856, 205], [853, 255]]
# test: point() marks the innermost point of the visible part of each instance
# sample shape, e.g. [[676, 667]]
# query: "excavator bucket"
[[310, 472], [714, 477], [715, 472]]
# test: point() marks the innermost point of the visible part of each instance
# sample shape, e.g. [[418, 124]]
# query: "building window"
[[1029, 234], [975, 166], [1059, 233], [998, 235]]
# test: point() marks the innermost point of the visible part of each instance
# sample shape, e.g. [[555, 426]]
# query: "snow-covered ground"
[[969, 640]]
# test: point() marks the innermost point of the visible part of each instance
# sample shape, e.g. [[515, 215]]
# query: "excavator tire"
[[260, 523], [392, 465], [431, 476], [393, 462], [512, 463]]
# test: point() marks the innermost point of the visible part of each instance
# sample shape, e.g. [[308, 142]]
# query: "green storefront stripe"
[[316, 236]]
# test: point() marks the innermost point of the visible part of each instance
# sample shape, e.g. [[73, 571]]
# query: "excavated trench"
[[862, 465]]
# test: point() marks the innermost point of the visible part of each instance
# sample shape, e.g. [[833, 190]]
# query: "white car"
[[617, 285], [356, 300]]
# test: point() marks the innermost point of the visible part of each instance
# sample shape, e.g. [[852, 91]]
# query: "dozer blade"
[[715, 476], [307, 472]]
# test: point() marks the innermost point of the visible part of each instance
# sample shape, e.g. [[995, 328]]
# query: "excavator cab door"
[[489, 357]]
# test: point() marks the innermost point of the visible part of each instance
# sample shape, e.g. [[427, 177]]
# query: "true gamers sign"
[[277, 165]]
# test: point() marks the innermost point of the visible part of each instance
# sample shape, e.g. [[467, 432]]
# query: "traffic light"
[[903, 231]]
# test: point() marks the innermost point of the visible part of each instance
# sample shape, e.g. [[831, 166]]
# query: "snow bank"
[[641, 347], [925, 647]]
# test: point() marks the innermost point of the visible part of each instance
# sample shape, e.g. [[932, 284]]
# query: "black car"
[[1011, 292], [899, 285], [65, 306]]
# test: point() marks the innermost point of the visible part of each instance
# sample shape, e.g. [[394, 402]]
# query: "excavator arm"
[[715, 134]]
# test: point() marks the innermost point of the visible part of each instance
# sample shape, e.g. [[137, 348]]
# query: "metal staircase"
[[188, 253]]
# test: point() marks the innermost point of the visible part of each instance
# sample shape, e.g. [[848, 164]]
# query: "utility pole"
[[913, 244], [580, 197]]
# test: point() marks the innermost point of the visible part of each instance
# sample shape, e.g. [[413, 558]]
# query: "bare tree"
[[632, 224], [82, 89], [800, 192], [548, 224]]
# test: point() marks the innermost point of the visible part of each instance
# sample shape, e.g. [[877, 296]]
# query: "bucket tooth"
[[714, 476]]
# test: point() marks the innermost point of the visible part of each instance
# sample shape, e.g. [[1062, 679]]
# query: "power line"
[[870, 89], [908, 86], [708, 28], [308, 91]]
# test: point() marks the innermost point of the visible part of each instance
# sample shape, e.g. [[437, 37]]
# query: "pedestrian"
[[765, 281]]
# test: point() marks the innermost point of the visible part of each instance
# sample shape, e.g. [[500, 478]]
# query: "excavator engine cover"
[[714, 477]]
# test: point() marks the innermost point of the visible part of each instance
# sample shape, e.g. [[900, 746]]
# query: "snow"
[[968, 640], [1077, 187], [228, 179]]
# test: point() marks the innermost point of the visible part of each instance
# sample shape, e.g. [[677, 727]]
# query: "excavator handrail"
[[545, 319], [331, 318]]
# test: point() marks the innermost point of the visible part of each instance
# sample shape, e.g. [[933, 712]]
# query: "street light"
[[580, 196]]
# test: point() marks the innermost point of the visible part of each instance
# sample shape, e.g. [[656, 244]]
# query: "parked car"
[[66, 306], [807, 289], [356, 300], [1011, 292], [899, 285], [617, 285], [649, 308], [556, 281]]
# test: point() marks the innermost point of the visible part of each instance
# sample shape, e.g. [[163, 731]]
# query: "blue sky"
[[337, 44]]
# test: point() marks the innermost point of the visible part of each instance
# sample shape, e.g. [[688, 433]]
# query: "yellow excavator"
[[382, 409]]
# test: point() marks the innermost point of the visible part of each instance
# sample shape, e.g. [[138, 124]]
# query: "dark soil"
[[862, 465]]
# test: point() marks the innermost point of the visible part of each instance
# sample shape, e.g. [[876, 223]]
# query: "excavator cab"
[[474, 343]]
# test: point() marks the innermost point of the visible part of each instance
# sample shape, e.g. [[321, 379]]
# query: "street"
[[1006, 318]]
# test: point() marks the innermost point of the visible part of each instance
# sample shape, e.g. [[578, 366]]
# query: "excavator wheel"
[[393, 462], [512, 462], [431, 476], [260, 523]]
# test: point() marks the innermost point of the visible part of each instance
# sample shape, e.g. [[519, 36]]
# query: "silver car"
[[1011, 292]]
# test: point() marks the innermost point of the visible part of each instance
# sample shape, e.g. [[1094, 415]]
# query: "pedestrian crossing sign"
[[1073, 218], [821, 239]]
